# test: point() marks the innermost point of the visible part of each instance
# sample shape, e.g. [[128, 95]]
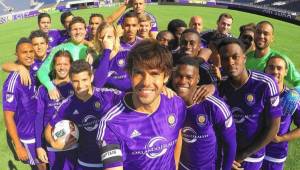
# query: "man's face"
[[190, 44], [263, 36], [94, 24], [197, 24], [144, 29], [25, 54], [277, 68], [139, 6], [62, 67], [40, 47], [166, 39], [185, 80], [67, 21], [178, 32], [130, 27], [233, 59], [224, 25], [77, 32], [147, 84], [82, 83], [45, 24]]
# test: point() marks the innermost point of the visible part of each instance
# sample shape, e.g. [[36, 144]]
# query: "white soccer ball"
[[64, 129]]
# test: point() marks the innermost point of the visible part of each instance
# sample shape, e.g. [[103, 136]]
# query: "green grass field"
[[286, 40]]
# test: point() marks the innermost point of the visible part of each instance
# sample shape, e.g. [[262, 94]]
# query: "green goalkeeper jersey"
[[255, 63], [77, 52]]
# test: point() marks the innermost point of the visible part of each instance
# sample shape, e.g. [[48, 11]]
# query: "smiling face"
[[40, 47], [147, 84], [45, 24], [224, 25], [276, 67], [138, 6], [185, 80], [82, 84], [62, 67], [233, 60], [263, 36], [25, 54], [144, 29], [190, 44], [77, 32], [130, 27]]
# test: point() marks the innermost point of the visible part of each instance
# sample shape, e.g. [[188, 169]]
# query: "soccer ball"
[[64, 129]]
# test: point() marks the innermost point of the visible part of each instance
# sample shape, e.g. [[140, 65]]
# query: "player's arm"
[[12, 131], [265, 137], [177, 151], [22, 70], [116, 14], [202, 92]]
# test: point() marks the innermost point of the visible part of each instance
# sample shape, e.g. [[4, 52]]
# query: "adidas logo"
[[135, 133], [75, 112]]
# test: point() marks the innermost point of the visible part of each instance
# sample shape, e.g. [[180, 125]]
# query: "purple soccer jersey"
[[154, 26], [21, 100], [54, 37], [137, 140], [64, 36], [127, 46], [111, 73], [86, 115], [250, 104], [46, 108], [277, 152], [203, 124]]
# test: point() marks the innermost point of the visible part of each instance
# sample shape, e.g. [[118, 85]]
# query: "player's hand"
[[108, 42], [277, 139], [42, 155], [54, 94], [236, 165], [21, 153], [203, 92], [216, 72], [24, 75], [168, 92], [89, 44], [89, 58]]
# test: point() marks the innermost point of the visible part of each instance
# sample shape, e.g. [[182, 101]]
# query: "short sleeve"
[[10, 93]]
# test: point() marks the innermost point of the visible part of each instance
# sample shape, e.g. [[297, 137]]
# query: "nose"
[[146, 80]]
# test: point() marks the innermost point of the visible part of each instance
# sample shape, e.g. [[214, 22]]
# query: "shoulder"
[[220, 104], [11, 82], [266, 80], [42, 90]]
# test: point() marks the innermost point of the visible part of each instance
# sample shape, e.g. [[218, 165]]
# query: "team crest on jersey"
[[274, 101], [121, 62], [97, 105], [9, 98], [201, 119], [250, 100], [171, 120]]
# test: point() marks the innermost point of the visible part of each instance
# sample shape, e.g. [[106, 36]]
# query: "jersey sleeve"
[[10, 93], [101, 71], [45, 69], [273, 108], [39, 123]]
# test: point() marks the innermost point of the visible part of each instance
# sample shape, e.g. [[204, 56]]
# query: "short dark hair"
[[231, 40], [226, 15], [38, 33], [130, 14], [189, 60], [65, 15], [247, 27], [265, 22], [161, 33], [277, 56], [79, 66], [150, 54], [174, 24], [95, 15], [43, 15], [22, 40], [77, 20], [193, 31]]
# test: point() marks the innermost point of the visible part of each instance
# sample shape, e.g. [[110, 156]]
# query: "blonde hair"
[[98, 44]]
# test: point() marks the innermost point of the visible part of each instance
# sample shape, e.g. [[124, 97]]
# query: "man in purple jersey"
[[19, 108], [176, 27], [139, 9], [207, 124], [46, 109], [141, 132], [130, 28], [277, 150], [44, 23], [254, 101], [85, 109]]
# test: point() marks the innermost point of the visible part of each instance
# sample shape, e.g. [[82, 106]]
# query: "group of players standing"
[[224, 112]]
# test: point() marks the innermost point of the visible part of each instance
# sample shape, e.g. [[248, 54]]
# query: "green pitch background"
[[287, 37]]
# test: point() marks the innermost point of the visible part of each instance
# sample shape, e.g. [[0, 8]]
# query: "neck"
[[189, 99], [129, 40], [261, 52], [58, 81], [86, 96], [149, 108], [240, 80]]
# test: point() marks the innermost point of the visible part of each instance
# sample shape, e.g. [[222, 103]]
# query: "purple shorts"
[[267, 165], [64, 160]]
